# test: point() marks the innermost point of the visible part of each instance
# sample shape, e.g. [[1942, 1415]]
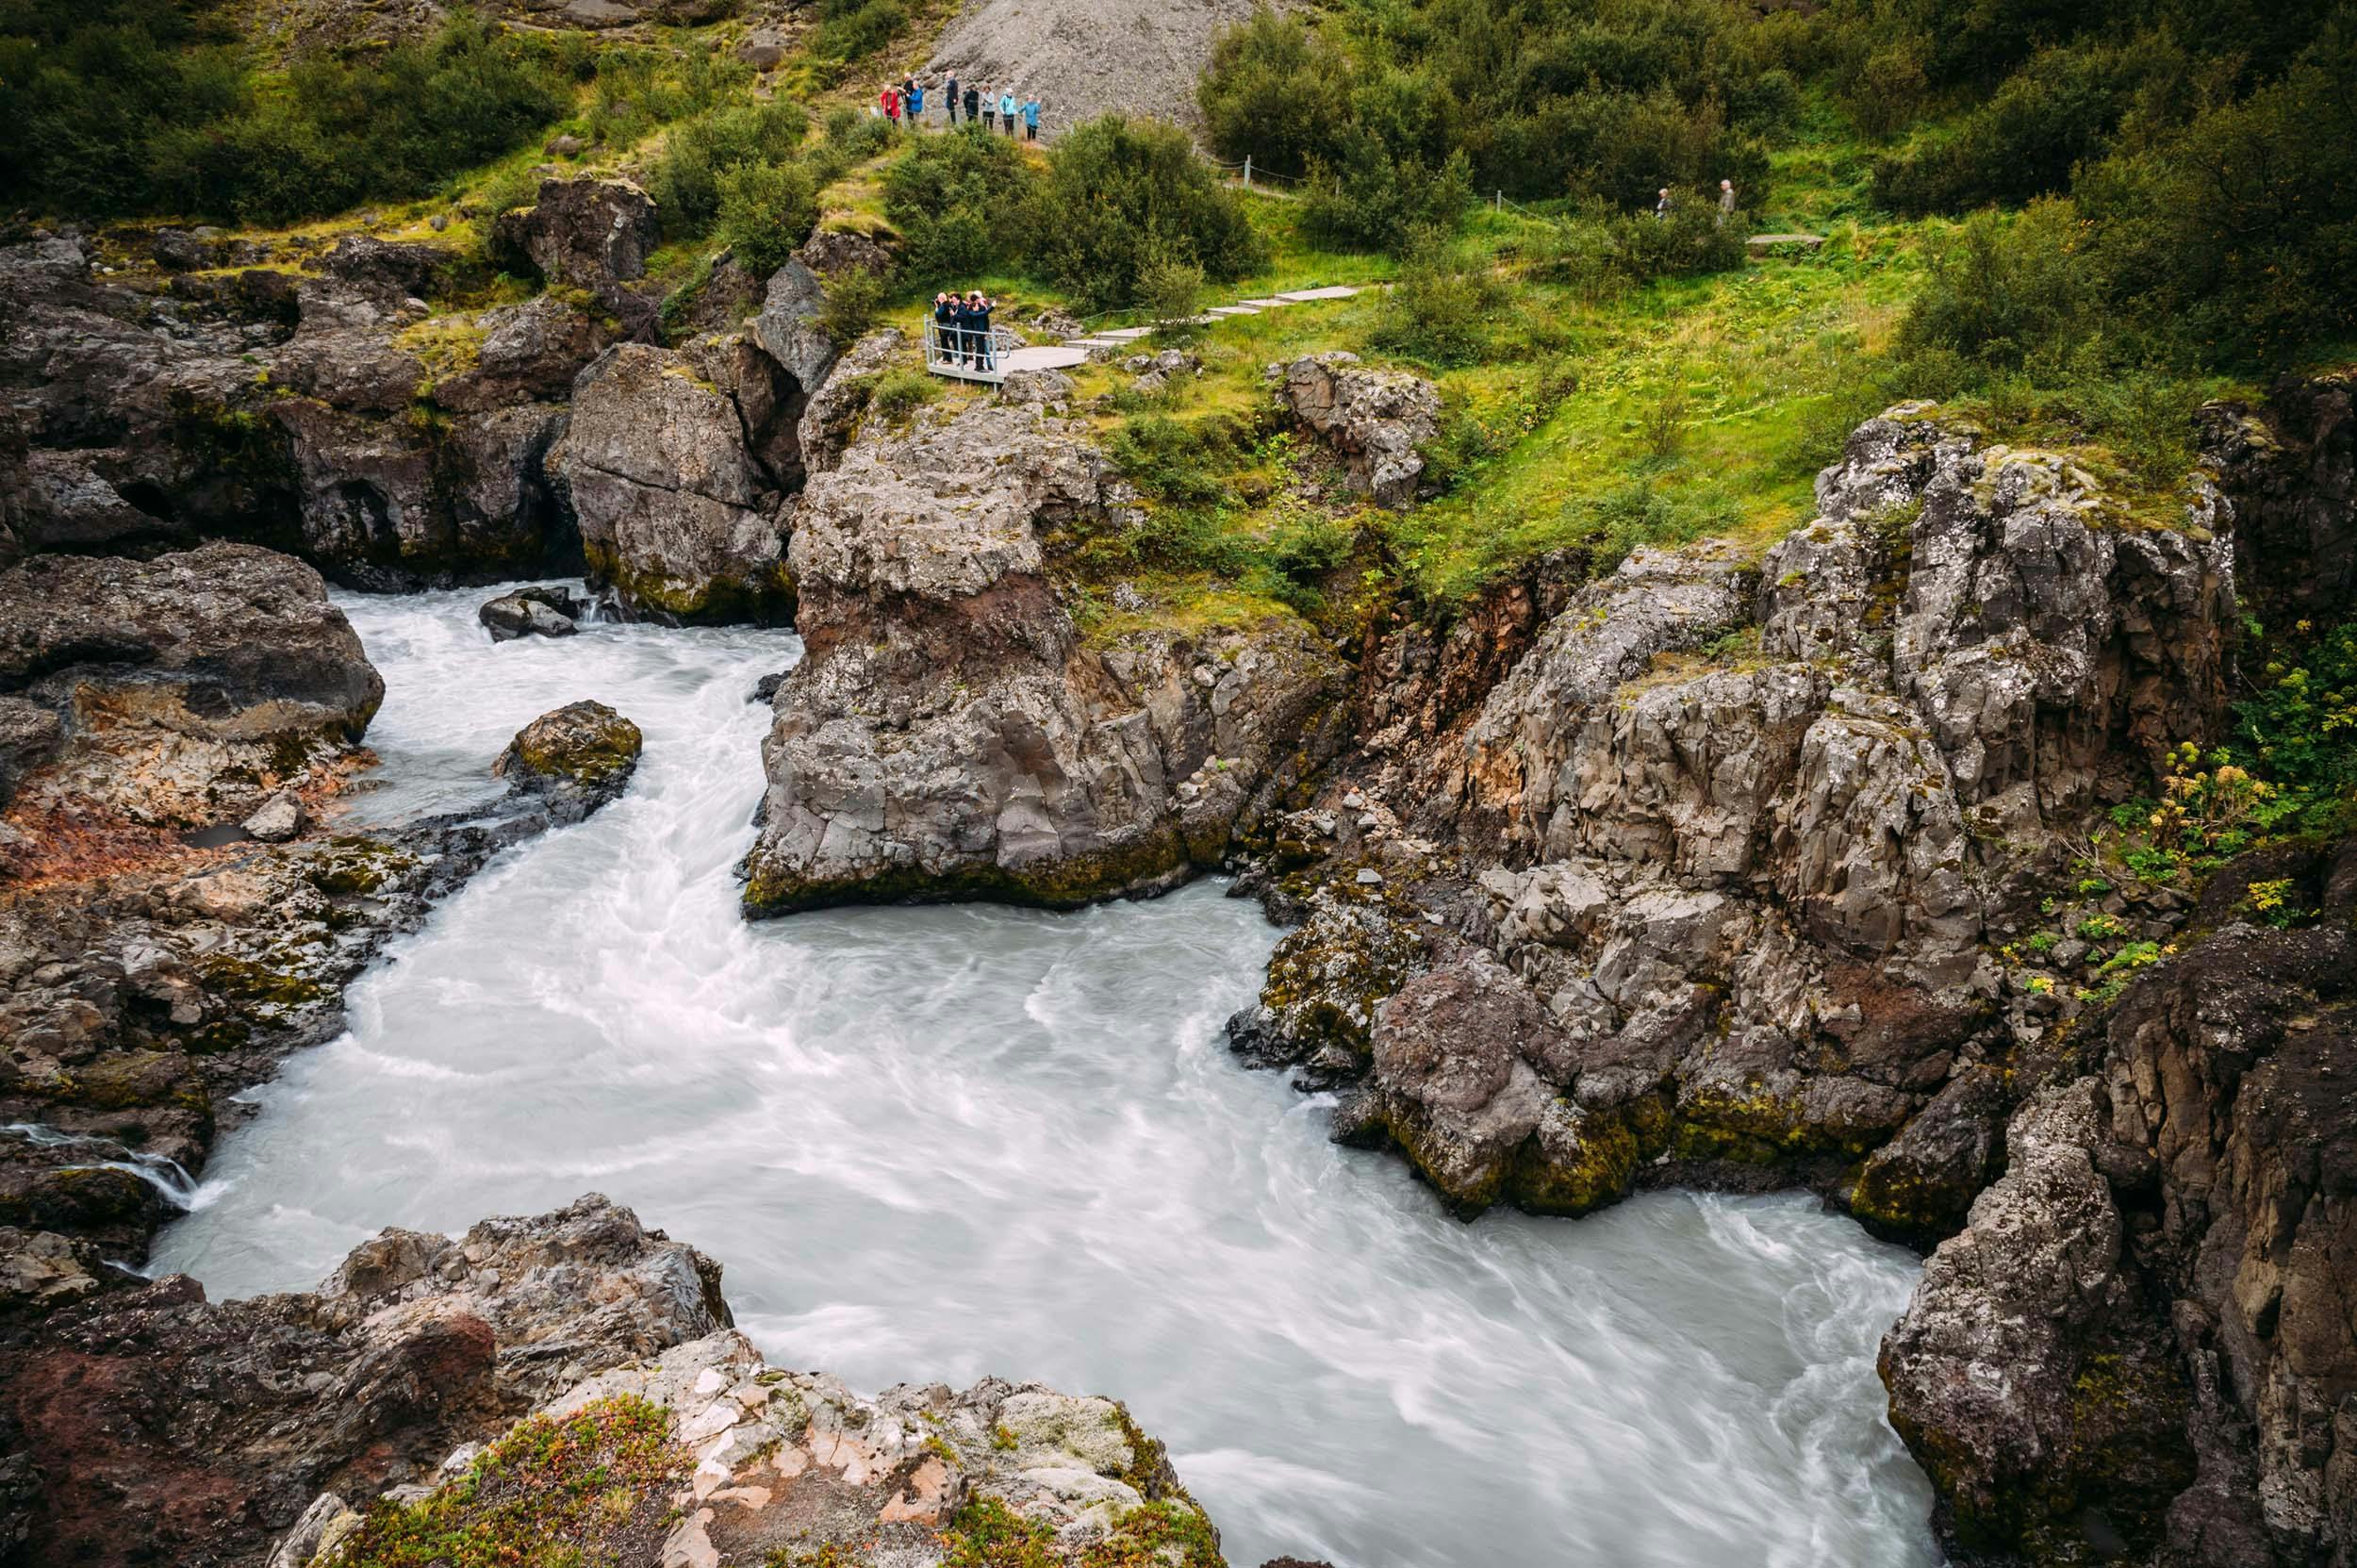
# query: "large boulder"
[[577, 758], [949, 733], [187, 688], [1377, 420], [787, 325], [592, 234], [247, 1410], [675, 510], [529, 352]]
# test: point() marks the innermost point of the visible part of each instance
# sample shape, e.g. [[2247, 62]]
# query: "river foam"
[[935, 1144]]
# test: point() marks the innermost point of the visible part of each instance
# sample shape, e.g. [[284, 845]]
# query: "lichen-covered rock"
[[530, 352], [832, 416], [593, 234], [787, 326], [416, 1345], [1919, 1186], [947, 733], [1377, 419], [1316, 1012], [675, 510], [187, 686], [2028, 1374], [1464, 1059], [578, 757], [775, 1466]]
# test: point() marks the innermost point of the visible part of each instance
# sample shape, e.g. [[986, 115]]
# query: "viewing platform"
[[952, 351]]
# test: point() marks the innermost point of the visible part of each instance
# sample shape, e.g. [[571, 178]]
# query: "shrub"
[[1441, 310], [898, 394], [685, 182], [765, 210], [953, 199], [1121, 192], [2005, 288], [1370, 198], [853, 300], [852, 29], [1277, 92]]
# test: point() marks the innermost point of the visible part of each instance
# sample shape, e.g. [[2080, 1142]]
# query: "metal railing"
[[970, 352]]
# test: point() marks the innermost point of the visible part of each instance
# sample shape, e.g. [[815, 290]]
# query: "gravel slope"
[[1086, 57]]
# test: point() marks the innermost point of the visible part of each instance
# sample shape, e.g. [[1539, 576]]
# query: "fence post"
[[1247, 171], [1499, 205]]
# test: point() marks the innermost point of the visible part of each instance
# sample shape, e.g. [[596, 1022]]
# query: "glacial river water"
[[935, 1144]]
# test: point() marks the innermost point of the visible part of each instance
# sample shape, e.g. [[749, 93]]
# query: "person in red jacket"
[[890, 99]]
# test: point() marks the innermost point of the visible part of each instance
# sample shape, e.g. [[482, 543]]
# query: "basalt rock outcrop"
[[592, 235], [680, 467], [948, 733], [1376, 419], [2138, 1348], [154, 1425], [143, 981], [1746, 837], [308, 1428], [178, 692]]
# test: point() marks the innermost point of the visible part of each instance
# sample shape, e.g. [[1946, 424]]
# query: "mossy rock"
[[583, 744], [1152, 864], [1576, 1163], [766, 598]]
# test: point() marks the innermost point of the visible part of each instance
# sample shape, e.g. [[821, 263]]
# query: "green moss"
[[1598, 1171], [252, 980], [1898, 1200], [356, 868], [594, 1487], [1065, 883], [614, 749], [1761, 1128], [764, 599]]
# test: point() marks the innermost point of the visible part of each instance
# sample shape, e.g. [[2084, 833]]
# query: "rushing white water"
[[935, 1144]]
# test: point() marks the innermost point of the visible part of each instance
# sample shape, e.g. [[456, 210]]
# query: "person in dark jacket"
[[980, 305], [949, 96], [946, 326], [973, 106]]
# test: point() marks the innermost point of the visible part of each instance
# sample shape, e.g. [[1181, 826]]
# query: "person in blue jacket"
[[1030, 118], [1006, 108], [916, 106], [979, 306]]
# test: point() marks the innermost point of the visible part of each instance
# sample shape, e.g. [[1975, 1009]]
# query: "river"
[[935, 1144]]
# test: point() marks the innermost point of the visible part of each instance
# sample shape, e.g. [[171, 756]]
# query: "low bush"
[[1444, 310], [954, 199], [765, 210], [853, 29], [852, 301], [1122, 193]]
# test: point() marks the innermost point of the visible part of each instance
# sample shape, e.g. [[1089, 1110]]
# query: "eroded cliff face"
[[354, 403], [950, 734], [2140, 1342], [318, 1427], [1743, 836]]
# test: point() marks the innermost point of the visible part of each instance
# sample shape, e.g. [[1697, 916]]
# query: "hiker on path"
[[916, 96], [1726, 202], [1661, 208], [1006, 109], [890, 99], [1030, 118], [949, 96], [990, 112], [973, 105]]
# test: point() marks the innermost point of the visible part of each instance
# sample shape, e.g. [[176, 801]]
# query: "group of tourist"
[[1663, 206], [961, 327], [904, 104]]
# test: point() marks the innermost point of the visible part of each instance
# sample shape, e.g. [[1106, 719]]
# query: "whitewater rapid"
[[935, 1144]]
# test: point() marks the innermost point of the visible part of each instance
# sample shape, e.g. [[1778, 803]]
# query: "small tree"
[[765, 210], [1120, 194]]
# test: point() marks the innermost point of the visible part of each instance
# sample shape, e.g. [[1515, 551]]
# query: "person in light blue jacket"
[[1030, 118], [1006, 109]]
